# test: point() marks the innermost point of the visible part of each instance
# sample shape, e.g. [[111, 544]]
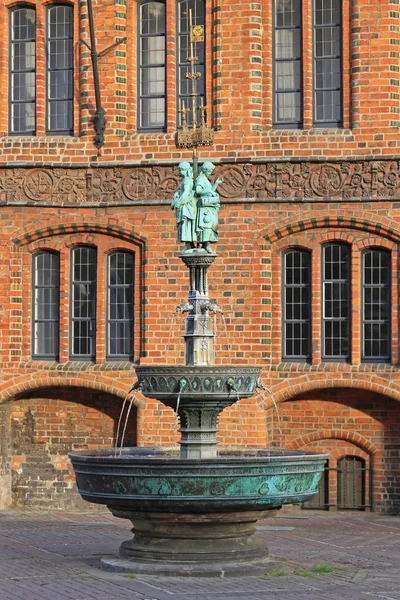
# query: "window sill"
[[318, 131], [333, 367], [76, 365]]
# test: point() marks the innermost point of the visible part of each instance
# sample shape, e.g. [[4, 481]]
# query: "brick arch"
[[383, 228], [17, 3], [354, 438], [375, 242], [28, 383], [285, 391], [33, 234], [298, 241], [339, 453]]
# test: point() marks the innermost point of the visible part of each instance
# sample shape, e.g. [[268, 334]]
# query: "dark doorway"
[[351, 483]]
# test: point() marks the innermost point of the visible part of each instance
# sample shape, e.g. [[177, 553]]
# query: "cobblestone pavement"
[[55, 556]]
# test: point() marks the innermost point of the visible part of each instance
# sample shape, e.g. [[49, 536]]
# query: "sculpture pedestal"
[[219, 544]]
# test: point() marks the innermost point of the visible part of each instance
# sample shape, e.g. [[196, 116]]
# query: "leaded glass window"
[[297, 304], [120, 275], [287, 103], [376, 304], [60, 75], [184, 85], [83, 302], [22, 71], [336, 301], [152, 94], [46, 304], [327, 52]]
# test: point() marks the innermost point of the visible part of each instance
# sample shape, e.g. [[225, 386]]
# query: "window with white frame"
[[376, 267], [46, 305], [83, 302], [297, 304], [120, 283]]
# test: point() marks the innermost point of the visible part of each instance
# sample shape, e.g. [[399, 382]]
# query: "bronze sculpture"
[[185, 205], [197, 210]]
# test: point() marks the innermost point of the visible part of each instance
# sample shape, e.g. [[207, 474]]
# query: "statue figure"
[[207, 207], [185, 205]]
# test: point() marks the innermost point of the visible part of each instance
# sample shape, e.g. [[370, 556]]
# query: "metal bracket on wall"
[[99, 119]]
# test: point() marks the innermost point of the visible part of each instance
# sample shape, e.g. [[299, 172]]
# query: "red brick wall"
[[48, 425], [239, 64], [254, 231]]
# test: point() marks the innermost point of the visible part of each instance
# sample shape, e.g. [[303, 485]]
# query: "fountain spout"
[[184, 307]]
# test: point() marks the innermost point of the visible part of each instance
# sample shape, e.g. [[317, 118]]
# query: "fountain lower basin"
[[194, 517]]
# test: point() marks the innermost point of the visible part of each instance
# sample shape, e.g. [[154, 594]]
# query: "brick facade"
[[282, 188]]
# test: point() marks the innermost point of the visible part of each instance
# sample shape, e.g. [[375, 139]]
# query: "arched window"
[[183, 25], [335, 301], [296, 304], [60, 76], [376, 304], [22, 80], [46, 305], [83, 303], [151, 66], [120, 302]]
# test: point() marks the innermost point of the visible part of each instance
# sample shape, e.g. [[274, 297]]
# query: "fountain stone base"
[[175, 544]]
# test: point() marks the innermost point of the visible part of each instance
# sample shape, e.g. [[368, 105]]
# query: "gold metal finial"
[[196, 134]]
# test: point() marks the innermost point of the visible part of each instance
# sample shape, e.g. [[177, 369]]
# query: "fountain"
[[195, 513]]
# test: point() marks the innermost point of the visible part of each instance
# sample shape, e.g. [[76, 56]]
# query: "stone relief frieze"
[[366, 180]]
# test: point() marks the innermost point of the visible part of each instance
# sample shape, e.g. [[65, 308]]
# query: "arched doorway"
[[46, 424], [361, 431], [351, 477]]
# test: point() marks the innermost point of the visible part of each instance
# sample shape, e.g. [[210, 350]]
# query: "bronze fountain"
[[195, 513]]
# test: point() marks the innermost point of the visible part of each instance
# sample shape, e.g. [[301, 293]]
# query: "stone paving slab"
[[56, 555]]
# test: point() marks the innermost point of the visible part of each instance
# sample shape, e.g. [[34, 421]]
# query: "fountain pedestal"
[[184, 543]]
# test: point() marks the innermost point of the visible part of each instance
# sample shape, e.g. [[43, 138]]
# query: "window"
[[46, 305], [327, 64], [336, 301], [152, 113], [83, 302], [183, 51], [287, 64], [22, 71], [60, 70], [120, 275], [290, 32], [297, 304], [376, 305]]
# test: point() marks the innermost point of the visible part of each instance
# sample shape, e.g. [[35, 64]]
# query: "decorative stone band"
[[361, 180]]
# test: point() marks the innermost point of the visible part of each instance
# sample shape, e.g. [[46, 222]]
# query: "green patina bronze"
[[153, 480], [195, 512]]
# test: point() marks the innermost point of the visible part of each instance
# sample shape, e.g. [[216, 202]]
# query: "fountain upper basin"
[[197, 383], [151, 479]]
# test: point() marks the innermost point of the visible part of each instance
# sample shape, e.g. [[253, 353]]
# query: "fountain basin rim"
[[161, 456]]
